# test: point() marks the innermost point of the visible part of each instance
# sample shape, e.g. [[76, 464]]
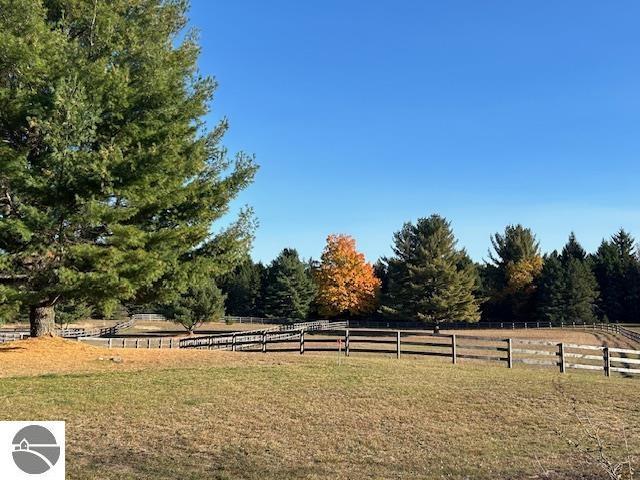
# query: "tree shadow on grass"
[[5, 349], [222, 464]]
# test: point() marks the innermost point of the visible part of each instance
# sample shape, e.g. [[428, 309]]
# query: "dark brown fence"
[[256, 338], [399, 343]]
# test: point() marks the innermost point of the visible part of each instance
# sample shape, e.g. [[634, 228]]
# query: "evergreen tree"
[[551, 289], [109, 180], [288, 290], [573, 249], [581, 292], [509, 277], [243, 289], [617, 270], [71, 312], [567, 288], [380, 270], [200, 303], [428, 277]]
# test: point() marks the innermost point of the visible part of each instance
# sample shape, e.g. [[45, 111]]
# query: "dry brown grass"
[[166, 414], [49, 356]]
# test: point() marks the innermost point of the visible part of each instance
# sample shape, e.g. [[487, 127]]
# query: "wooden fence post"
[[398, 344], [509, 354], [137, 342], [171, 343], [562, 359], [607, 361], [264, 342], [233, 342], [301, 342], [123, 343], [454, 350], [346, 342], [160, 346], [148, 342]]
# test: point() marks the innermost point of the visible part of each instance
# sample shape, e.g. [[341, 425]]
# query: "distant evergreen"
[[617, 270], [567, 288], [551, 289], [288, 290], [201, 303], [428, 278], [243, 289], [509, 278]]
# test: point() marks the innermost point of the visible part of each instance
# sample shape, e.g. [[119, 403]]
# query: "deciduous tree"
[[346, 282]]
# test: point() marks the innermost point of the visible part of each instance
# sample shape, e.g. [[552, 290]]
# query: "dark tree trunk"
[[42, 319]]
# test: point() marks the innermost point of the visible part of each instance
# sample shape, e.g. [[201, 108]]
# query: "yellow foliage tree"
[[521, 274], [346, 282]]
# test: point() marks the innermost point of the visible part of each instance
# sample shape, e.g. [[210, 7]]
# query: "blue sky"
[[367, 114]]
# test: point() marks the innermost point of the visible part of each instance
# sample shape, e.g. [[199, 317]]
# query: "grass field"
[[221, 415]]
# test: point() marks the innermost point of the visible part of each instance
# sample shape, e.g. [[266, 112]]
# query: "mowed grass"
[[164, 414]]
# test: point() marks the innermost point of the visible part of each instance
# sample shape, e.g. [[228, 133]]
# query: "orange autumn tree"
[[346, 282]]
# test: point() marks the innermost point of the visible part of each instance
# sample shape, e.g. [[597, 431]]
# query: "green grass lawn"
[[307, 417]]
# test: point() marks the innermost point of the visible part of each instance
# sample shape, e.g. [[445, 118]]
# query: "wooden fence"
[[248, 339], [398, 343], [10, 336], [97, 332], [334, 337], [148, 342]]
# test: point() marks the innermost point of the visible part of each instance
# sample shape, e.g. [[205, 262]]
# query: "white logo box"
[[36, 446]]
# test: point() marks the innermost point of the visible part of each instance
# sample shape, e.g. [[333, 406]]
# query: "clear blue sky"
[[367, 114]]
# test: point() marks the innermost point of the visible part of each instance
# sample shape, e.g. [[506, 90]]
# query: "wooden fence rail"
[[257, 338], [509, 351], [323, 336], [125, 342]]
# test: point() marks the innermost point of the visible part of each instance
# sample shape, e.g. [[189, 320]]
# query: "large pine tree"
[[428, 277], [509, 278], [551, 289], [617, 269], [567, 288], [109, 180], [288, 289]]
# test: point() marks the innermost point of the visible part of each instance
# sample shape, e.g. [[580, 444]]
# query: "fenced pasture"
[[508, 351], [192, 413]]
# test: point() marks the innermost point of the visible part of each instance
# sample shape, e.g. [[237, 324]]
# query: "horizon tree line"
[[428, 278], [112, 184]]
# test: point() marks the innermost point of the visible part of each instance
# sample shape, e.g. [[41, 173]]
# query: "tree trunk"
[[42, 319]]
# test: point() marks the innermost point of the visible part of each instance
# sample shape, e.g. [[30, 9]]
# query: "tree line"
[[429, 278], [112, 184]]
